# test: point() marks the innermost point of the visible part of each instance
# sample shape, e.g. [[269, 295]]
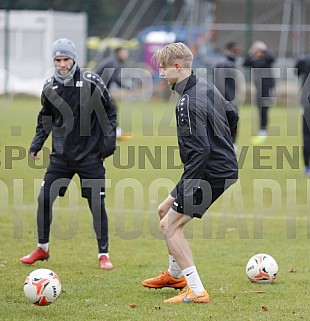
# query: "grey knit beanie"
[[64, 47]]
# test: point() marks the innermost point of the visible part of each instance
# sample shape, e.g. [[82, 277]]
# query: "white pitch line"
[[153, 211]]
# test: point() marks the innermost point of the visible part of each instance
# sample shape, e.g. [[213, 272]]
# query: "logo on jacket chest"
[[183, 111], [79, 83]]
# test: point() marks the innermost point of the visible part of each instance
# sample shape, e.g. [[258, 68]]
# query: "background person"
[[204, 124], [226, 70], [261, 60], [109, 69], [78, 111], [303, 71]]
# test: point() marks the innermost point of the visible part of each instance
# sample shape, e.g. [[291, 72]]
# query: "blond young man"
[[205, 123]]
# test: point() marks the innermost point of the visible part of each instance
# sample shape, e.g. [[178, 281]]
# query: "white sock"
[[262, 132], [118, 132], [193, 279], [43, 246], [105, 254], [174, 270]]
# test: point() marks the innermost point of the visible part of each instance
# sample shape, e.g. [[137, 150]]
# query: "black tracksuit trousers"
[[56, 180]]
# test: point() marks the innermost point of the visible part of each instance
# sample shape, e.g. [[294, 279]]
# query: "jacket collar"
[[230, 56], [185, 84], [67, 79]]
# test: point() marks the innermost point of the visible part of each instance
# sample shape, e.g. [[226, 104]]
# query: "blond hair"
[[167, 55]]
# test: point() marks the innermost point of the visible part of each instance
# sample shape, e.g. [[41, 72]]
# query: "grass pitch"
[[266, 211]]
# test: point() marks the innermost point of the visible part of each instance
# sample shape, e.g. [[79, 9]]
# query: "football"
[[262, 268], [42, 287]]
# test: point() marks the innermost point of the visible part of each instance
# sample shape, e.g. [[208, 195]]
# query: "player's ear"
[[177, 66]]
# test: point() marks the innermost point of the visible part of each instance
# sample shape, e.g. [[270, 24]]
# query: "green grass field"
[[266, 211]]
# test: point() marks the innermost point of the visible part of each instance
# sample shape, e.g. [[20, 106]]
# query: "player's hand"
[[34, 156]]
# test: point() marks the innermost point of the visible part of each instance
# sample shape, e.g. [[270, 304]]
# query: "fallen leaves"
[[292, 271], [254, 292]]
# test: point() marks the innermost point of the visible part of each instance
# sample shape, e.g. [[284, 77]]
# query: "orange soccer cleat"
[[188, 296], [37, 255], [165, 281]]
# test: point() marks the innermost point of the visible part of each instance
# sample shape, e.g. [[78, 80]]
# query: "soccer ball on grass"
[[42, 287], [262, 268]]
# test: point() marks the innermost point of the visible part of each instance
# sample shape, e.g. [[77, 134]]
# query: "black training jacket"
[[262, 74], [226, 78], [81, 116], [109, 69], [303, 71], [205, 121]]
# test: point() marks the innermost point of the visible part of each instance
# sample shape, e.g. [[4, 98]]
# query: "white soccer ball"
[[42, 287], [262, 268]]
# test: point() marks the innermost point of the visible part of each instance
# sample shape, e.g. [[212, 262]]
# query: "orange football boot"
[[188, 296], [165, 281]]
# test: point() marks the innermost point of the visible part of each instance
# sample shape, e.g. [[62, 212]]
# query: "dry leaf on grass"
[[292, 270], [254, 292], [264, 309], [133, 305], [223, 290]]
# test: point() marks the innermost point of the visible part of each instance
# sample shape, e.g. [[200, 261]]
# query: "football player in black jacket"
[[79, 112], [206, 123]]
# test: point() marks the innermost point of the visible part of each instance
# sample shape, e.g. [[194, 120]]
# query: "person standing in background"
[[109, 69], [261, 60], [225, 77], [303, 71]]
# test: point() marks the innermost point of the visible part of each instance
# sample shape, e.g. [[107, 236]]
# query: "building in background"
[[25, 42]]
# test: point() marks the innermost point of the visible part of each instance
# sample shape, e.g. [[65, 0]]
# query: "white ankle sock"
[[193, 279], [106, 254], [174, 270], [43, 246]]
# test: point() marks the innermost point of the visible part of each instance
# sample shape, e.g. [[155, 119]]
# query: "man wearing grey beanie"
[[79, 112]]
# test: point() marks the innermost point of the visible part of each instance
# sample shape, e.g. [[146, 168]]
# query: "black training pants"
[[56, 180]]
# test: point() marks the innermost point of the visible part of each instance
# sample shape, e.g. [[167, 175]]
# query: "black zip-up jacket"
[[225, 77], [81, 116], [109, 69], [302, 66], [205, 121], [261, 69], [303, 71]]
